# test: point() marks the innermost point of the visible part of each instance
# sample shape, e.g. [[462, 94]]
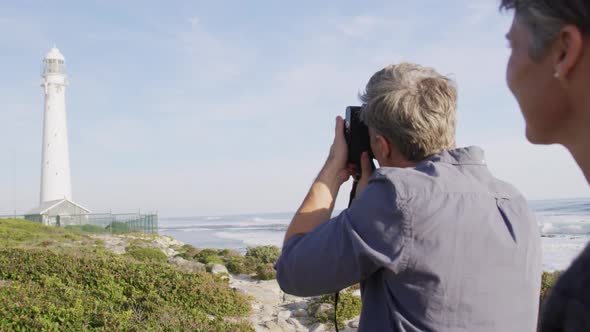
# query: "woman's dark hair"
[[544, 18]]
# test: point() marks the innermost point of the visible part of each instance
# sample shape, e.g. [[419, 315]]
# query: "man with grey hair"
[[436, 242]]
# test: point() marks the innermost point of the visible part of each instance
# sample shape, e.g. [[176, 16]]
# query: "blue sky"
[[201, 107]]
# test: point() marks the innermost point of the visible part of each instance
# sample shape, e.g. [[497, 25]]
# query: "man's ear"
[[567, 50], [383, 148]]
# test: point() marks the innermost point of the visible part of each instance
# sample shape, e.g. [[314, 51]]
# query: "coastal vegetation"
[[349, 307], [258, 261], [56, 279]]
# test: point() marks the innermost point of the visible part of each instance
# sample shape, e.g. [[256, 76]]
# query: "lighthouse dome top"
[[54, 54]]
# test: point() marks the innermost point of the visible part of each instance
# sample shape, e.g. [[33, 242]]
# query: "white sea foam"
[[559, 251], [563, 224], [254, 238]]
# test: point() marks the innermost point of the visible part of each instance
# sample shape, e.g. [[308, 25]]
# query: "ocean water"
[[565, 230], [564, 226]]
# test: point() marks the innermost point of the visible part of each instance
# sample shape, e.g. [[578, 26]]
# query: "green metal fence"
[[114, 223], [99, 222]]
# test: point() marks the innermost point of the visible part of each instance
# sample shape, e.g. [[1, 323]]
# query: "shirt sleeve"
[[364, 238]]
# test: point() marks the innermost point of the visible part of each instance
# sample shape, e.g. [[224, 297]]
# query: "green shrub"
[[87, 228], [207, 256], [264, 254], [258, 261], [265, 272], [548, 280], [46, 243], [188, 252], [228, 253], [95, 290], [146, 254], [349, 307], [22, 233], [236, 265]]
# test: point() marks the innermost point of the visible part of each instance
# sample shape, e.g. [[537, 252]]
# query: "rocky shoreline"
[[272, 309]]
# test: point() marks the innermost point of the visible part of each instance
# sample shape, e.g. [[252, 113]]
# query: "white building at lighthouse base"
[[61, 212]]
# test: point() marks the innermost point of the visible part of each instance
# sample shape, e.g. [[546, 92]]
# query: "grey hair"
[[413, 107], [545, 18]]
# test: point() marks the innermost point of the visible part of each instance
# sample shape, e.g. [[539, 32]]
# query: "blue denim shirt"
[[442, 246]]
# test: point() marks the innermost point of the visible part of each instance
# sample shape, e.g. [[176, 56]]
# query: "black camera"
[[357, 137]]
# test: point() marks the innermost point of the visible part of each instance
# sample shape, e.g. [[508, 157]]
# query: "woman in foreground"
[[549, 74]]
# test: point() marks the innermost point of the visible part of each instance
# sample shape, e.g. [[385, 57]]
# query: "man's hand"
[[336, 164], [366, 172]]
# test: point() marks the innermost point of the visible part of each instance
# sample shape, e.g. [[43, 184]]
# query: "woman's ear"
[[567, 50]]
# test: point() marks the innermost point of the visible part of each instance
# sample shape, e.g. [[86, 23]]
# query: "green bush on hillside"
[[87, 228], [258, 261], [188, 252], [238, 265], [19, 233], [264, 254], [265, 272], [83, 290], [146, 254], [207, 256], [349, 307]]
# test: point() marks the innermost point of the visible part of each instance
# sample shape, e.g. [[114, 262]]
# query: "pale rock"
[[285, 314], [265, 293], [318, 327], [287, 327], [273, 327], [169, 252], [300, 312], [298, 326], [294, 306], [290, 298], [186, 265], [218, 269], [354, 323], [266, 318], [267, 310], [323, 308]]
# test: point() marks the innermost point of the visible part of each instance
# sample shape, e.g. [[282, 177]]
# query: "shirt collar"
[[471, 155]]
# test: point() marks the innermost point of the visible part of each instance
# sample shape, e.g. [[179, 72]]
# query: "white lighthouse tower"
[[56, 206], [55, 170]]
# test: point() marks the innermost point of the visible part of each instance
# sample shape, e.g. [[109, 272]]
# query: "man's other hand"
[[366, 172]]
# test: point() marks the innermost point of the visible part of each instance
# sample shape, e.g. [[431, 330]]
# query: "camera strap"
[[337, 294]]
